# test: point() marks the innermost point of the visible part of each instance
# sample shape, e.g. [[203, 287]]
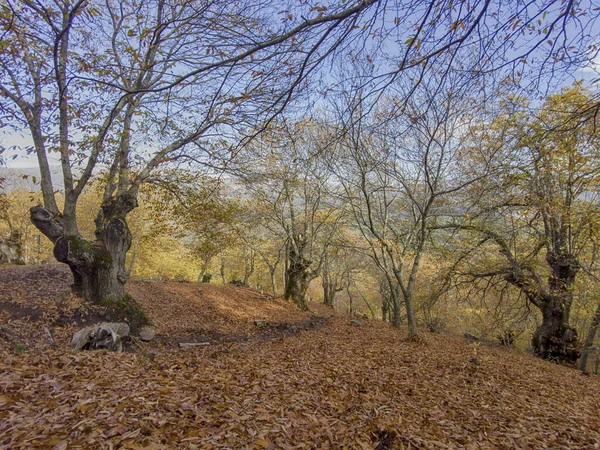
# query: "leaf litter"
[[337, 387]]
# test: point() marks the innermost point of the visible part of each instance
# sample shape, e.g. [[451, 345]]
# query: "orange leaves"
[[353, 388], [335, 388], [209, 309]]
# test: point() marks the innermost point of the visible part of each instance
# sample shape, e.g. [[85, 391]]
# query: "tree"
[[335, 275], [261, 237], [589, 341], [291, 182], [202, 214], [538, 211], [398, 167], [344, 265], [134, 85]]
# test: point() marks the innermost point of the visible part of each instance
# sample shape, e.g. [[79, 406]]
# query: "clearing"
[[308, 380]]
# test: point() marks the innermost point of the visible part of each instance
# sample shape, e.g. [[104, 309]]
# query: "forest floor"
[[308, 380]]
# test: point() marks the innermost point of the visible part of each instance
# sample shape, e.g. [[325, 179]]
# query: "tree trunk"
[[11, 249], [298, 275], [395, 307], [134, 254], [589, 341], [350, 303], [98, 267], [273, 280], [248, 266], [328, 291], [555, 339], [297, 285], [223, 278], [286, 267], [396, 314], [410, 316], [328, 296], [204, 268]]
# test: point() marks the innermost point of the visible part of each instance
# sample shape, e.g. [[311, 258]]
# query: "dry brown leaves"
[[340, 387], [188, 308], [31, 296]]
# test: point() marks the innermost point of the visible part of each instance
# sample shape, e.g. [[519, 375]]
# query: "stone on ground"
[[147, 334], [107, 336]]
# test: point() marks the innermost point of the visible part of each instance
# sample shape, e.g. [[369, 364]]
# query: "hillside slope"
[[340, 386], [34, 297], [184, 308]]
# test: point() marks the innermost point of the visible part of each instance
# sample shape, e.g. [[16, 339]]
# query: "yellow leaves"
[[457, 24]]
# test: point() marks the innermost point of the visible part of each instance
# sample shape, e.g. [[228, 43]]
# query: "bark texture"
[[298, 276], [98, 267], [555, 339], [589, 342]]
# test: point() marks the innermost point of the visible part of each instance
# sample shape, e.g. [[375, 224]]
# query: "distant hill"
[[28, 178]]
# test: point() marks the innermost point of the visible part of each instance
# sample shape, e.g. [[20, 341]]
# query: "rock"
[[147, 334], [105, 336], [357, 322], [260, 323]]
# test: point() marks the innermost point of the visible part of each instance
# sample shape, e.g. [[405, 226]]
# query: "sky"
[[19, 159]]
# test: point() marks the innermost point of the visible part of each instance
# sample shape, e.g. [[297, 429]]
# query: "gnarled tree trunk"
[[298, 276], [329, 292], [11, 249], [555, 339], [297, 286], [98, 267]]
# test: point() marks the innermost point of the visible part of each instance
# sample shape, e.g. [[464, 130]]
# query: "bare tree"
[[398, 169], [289, 178], [264, 238], [539, 212], [335, 275], [134, 85]]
